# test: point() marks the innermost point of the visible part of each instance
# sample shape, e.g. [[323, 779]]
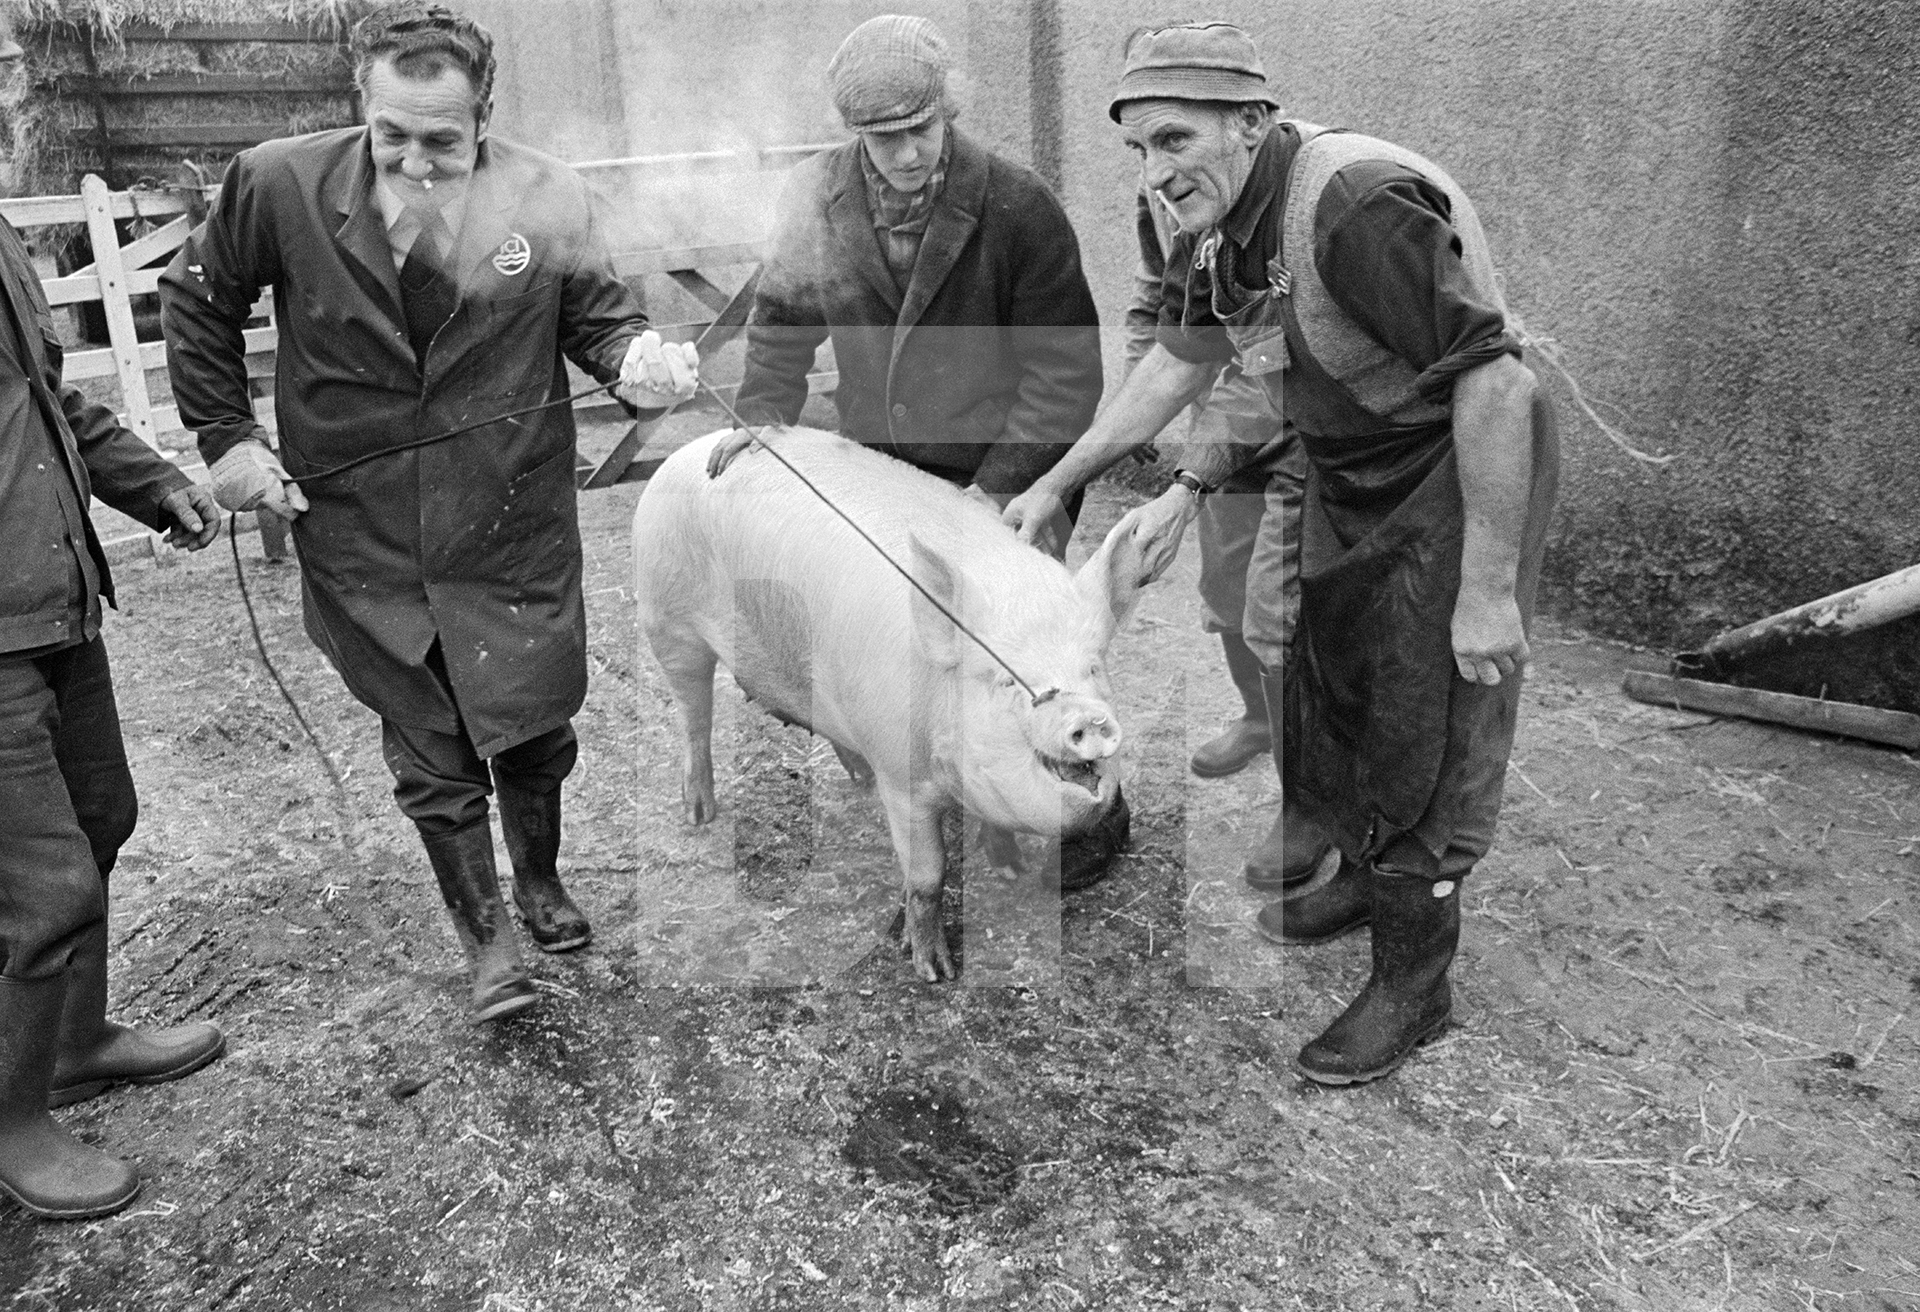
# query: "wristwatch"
[[1191, 481]]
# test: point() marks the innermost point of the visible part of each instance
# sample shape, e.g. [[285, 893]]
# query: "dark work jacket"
[[46, 538], [984, 369], [473, 541]]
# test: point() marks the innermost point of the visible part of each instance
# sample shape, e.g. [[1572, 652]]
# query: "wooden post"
[[1895, 728], [136, 411]]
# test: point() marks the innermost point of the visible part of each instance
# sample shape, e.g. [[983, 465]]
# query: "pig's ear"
[[935, 639], [1112, 580]]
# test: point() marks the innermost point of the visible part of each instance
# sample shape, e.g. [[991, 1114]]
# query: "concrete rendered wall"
[[1710, 206]]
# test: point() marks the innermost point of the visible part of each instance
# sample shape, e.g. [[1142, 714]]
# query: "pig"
[[754, 571]]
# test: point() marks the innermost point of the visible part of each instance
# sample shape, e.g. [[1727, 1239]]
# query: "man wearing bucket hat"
[[1352, 278], [948, 280]]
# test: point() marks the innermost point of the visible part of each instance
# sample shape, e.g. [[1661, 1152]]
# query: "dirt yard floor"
[[1682, 1073]]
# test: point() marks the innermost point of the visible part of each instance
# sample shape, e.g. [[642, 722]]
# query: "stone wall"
[[1708, 206]]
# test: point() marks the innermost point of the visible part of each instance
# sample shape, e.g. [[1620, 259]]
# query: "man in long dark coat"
[[67, 801], [426, 276], [949, 282]]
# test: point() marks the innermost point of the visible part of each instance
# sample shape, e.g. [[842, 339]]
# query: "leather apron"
[[1383, 740]]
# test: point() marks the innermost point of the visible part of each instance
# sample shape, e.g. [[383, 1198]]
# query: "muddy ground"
[[1682, 1073]]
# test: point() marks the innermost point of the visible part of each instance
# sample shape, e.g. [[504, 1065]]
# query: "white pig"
[[754, 571]]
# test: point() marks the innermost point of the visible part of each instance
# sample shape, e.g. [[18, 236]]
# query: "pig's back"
[[808, 617]]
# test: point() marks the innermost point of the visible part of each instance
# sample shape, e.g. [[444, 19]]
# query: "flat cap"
[[888, 74], [1192, 61]]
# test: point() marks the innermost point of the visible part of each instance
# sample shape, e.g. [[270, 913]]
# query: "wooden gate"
[[120, 273]]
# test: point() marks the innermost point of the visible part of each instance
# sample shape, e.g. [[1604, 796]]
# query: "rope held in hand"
[[326, 762]]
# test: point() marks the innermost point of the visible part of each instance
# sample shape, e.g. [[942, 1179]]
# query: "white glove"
[[657, 373], [251, 477]]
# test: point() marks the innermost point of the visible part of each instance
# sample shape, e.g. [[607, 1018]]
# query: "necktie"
[[428, 293]]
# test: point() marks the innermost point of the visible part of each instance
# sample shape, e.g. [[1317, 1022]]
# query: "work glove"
[[250, 477], [656, 374]]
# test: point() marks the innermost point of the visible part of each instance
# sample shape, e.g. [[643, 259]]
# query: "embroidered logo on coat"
[[513, 256]]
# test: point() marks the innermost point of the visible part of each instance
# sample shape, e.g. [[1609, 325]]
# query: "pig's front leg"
[[689, 667], [1002, 851], [855, 765], [915, 825]]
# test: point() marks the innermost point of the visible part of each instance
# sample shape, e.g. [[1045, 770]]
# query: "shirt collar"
[[1262, 190], [404, 220], [905, 209]]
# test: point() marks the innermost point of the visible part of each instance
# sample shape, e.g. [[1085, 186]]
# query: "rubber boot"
[[1407, 999], [1297, 841], [1290, 853], [530, 823], [463, 863], [47, 1170], [1086, 860], [1247, 737], [95, 1052], [1319, 915]]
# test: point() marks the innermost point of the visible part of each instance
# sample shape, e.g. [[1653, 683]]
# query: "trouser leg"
[[51, 894], [527, 778], [1228, 527], [92, 760]]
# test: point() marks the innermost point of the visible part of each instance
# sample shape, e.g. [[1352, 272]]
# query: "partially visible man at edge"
[[426, 275], [949, 282], [1351, 276], [1249, 526], [67, 801]]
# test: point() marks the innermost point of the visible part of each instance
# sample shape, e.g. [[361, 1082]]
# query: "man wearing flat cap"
[[1351, 277], [948, 280]]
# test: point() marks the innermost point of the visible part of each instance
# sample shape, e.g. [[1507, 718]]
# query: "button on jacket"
[[473, 542]]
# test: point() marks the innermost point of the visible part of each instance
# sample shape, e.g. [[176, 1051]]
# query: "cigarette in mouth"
[[427, 183]]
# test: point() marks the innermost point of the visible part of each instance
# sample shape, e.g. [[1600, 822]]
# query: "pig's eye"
[[1002, 681]]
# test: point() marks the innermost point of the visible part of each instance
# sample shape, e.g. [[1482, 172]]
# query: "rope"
[[1039, 698], [260, 645], [326, 762], [333, 471]]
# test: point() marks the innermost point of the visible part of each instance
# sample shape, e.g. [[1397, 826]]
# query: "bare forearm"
[[1157, 390], [1493, 438]]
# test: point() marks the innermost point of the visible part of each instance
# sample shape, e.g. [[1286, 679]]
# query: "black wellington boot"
[[1407, 1000], [1249, 736], [47, 1170], [463, 863], [1297, 841], [530, 823], [1339, 906], [1291, 852], [96, 1052]]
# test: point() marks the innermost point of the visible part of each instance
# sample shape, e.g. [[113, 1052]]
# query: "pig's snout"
[[1090, 733]]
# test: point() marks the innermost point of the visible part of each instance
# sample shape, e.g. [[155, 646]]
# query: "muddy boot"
[[1247, 737], [96, 1052], [1407, 1000], [530, 823], [463, 863], [46, 1169], [1339, 906], [1086, 860]]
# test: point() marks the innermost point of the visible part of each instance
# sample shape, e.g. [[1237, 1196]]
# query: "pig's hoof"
[[701, 807], [856, 767]]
